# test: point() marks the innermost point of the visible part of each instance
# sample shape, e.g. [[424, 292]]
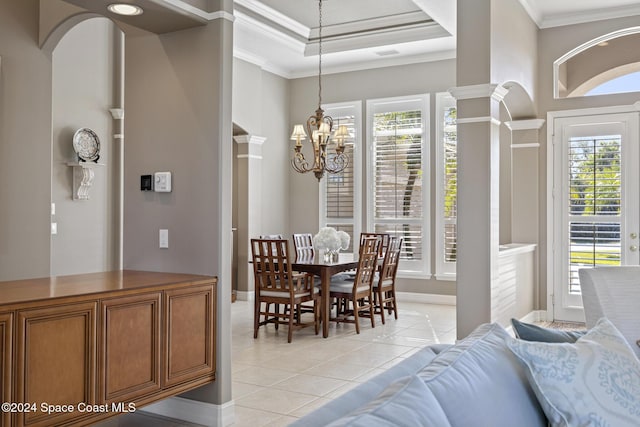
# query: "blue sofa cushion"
[[529, 332], [407, 402], [479, 382], [595, 381]]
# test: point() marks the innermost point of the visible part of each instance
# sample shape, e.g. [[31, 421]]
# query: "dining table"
[[325, 269]]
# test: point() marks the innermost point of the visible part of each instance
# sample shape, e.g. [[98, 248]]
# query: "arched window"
[[607, 64]]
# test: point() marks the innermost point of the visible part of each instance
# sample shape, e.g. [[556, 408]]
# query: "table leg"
[[325, 305]]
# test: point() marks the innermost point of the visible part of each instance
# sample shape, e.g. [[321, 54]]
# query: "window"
[[398, 171], [446, 186], [339, 204]]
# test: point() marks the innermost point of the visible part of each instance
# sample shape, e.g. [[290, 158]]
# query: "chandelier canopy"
[[320, 128]]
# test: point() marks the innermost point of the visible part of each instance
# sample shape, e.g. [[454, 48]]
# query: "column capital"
[[249, 139], [486, 90], [532, 124]]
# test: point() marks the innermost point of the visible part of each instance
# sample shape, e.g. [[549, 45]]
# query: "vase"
[[330, 256]]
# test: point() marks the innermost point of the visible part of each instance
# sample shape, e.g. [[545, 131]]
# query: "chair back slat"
[[391, 259], [367, 262], [270, 258], [384, 241], [303, 245]]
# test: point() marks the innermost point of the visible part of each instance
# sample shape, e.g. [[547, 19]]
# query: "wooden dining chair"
[[303, 245], [276, 285], [384, 289], [358, 291], [384, 242]]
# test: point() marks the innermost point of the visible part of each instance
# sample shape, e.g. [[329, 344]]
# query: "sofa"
[[493, 379]]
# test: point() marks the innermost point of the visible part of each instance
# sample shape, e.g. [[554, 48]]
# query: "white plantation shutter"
[[340, 205], [399, 186], [594, 203]]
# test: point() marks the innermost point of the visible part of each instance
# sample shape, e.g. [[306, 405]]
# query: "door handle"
[[633, 248], [633, 235]]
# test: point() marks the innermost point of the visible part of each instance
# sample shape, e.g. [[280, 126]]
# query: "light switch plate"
[[164, 238], [54, 228], [162, 182]]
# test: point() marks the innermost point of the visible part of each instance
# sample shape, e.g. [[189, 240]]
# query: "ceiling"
[[281, 36]]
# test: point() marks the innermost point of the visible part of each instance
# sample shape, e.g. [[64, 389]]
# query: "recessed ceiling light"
[[125, 9], [604, 43]]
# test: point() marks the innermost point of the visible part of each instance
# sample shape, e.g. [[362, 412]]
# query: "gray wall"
[[414, 79], [83, 88], [25, 144], [178, 119]]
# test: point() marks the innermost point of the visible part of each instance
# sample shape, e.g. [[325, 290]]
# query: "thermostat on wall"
[[162, 182]]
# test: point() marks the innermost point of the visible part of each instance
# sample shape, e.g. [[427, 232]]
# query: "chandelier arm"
[[337, 163]]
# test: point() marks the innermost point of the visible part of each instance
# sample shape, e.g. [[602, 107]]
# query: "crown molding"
[[275, 16], [260, 62], [192, 10], [376, 63], [533, 12], [249, 24], [378, 37], [589, 16]]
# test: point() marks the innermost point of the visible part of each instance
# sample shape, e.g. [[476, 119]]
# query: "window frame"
[[407, 269], [444, 271]]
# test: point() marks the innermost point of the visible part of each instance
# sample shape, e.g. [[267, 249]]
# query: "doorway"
[[593, 207]]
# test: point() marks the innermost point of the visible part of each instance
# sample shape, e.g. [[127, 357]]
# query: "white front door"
[[595, 209]]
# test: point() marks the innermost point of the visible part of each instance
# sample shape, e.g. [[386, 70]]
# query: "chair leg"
[[395, 304], [276, 317], [291, 311], [371, 311], [256, 318], [380, 303], [355, 315], [316, 316]]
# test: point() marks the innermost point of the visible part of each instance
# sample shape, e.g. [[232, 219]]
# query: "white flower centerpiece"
[[329, 241]]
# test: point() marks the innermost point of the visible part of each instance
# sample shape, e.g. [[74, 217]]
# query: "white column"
[[249, 207], [478, 228]]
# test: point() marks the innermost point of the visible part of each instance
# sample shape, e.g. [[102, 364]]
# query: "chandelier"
[[319, 128]]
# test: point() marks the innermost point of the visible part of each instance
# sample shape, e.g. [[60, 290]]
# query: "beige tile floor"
[[275, 382]]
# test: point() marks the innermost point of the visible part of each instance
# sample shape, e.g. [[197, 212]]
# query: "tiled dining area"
[[275, 382]]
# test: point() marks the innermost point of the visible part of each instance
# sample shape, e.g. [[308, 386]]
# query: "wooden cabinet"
[[55, 360], [122, 337], [6, 351], [189, 323], [130, 356]]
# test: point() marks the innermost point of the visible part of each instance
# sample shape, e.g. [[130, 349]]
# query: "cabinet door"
[[130, 359], [6, 348], [189, 325], [56, 360]]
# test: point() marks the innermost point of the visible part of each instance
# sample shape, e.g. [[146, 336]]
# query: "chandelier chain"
[[320, 54]]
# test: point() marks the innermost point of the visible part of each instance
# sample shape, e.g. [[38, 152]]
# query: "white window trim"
[[444, 271], [336, 110], [381, 105]]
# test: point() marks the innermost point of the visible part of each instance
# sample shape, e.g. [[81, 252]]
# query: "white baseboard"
[[246, 295], [193, 411], [426, 298], [535, 316]]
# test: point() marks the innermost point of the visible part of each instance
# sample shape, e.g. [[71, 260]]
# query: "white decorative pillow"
[[594, 382]]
